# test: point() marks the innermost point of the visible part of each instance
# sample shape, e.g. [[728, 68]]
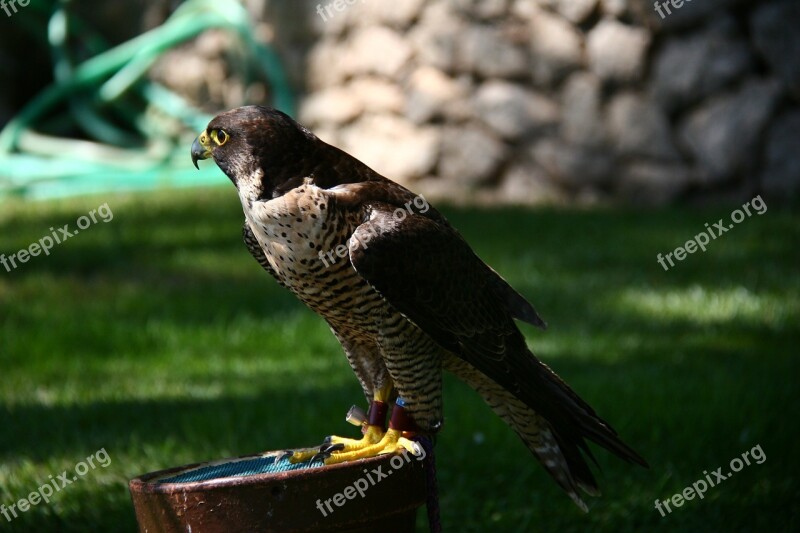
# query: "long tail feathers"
[[559, 445], [540, 439]]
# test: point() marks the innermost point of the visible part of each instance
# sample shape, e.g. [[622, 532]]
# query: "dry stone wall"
[[528, 101]]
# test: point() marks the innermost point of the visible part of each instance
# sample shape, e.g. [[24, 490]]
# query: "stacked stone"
[[530, 101]]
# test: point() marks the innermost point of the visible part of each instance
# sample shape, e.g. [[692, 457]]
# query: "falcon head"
[[258, 148]]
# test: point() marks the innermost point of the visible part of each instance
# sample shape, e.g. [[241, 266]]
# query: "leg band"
[[377, 414], [401, 420]]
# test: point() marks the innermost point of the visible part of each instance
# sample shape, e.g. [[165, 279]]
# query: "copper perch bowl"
[[260, 493]]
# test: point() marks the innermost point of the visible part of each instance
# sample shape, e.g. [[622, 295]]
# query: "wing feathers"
[[423, 267]]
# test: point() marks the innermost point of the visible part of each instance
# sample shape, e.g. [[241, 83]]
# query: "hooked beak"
[[200, 149]]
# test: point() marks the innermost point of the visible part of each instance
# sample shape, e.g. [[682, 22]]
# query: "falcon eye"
[[220, 137]]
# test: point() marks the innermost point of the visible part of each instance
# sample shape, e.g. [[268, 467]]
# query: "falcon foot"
[[375, 441], [372, 436]]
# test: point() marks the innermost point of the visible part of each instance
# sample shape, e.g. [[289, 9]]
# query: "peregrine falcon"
[[403, 293]]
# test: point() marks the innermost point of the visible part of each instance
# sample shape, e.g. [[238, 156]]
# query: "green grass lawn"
[[158, 338]]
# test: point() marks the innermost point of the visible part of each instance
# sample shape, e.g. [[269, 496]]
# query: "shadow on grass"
[[691, 366], [148, 435]]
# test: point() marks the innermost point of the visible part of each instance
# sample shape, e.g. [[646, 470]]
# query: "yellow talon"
[[374, 442], [392, 442], [303, 455], [414, 448], [373, 435]]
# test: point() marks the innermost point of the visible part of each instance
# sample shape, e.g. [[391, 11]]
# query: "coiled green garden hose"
[[112, 83]]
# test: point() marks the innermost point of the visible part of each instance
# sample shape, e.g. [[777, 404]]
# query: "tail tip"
[[579, 501]]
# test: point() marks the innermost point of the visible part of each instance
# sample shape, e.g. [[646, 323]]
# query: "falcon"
[[403, 293]]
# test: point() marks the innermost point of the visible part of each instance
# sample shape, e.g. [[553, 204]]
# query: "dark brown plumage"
[[408, 298]]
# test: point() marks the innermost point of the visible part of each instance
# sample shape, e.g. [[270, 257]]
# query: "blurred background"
[[570, 141], [525, 101]]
